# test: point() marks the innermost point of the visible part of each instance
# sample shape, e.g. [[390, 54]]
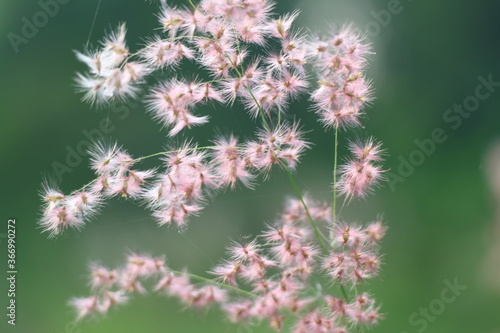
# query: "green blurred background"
[[442, 217]]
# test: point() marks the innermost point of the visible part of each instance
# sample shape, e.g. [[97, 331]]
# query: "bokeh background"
[[443, 218]]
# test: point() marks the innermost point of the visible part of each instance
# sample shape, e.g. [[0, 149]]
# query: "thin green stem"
[[261, 112], [218, 284], [159, 41], [334, 204], [192, 4], [240, 73], [218, 80], [317, 232], [261, 246], [173, 151], [239, 49], [344, 292], [153, 155], [84, 186]]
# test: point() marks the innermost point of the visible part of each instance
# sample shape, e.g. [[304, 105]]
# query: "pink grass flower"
[[359, 175], [130, 184], [172, 19], [143, 265], [238, 312], [85, 306], [375, 231], [358, 178], [59, 218], [105, 158], [101, 277], [348, 235], [228, 272], [229, 164], [261, 62], [160, 53], [280, 27], [171, 105], [369, 151], [206, 296], [112, 298]]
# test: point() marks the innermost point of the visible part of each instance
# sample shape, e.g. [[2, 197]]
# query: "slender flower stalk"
[[335, 160], [317, 232]]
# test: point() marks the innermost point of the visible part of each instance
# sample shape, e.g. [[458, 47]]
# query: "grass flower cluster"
[[300, 274]]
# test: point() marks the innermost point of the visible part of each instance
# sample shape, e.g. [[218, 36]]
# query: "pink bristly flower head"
[[208, 295], [345, 51], [172, 19], [340, 105], [229, 164], [238, 312], [51, 196], [282, 146], [61, 212], [348, 235], [280, 28], [358, 178], [144, 265], [101, 277], [85, 306], [172, 104], [375, 231], [135, 71], [363, 310], [160, 53], [314, 322], [57, 214], [370, 150], [112, 298], [114, 48], [245, 251], [336, 305], [181, 287], [130, 184], [110, 76], [59, 218], [227, 272], [176, 210], [251, 33], [293, 84], [105, 158], [112, 53], [339, 266], [175, 285], [86, 203], [180, 191], [359, 175], [341, 118]]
